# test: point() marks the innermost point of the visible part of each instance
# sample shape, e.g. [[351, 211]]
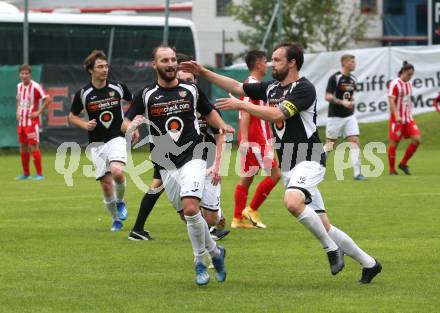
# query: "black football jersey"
[[296, 138], [342, 87], [103, 105], [172, 115]]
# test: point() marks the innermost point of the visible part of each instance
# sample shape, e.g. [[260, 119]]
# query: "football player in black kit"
[[101, 100], [292, 110], [341, 120], [170, 108], [211, 136]]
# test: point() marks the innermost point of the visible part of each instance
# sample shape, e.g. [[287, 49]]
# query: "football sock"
[[392, 157], [263, 190], [25, 157], [210, 244], [350, 248], [196, 231], [409, 153], [355, 160], [120, 190], [110, 203], [313, 223], [241, 193], [37, 161], [147, 204], [222, 220]]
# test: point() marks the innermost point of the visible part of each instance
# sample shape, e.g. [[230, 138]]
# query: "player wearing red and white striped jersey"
[[255, 142], [29, 95], [402, 124]]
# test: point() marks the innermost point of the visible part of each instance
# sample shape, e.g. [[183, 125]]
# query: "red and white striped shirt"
[[258, 130], [402, 91], [29, 98]]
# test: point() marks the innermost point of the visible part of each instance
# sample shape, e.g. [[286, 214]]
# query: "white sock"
[[349, 247], [313, 223], [196, 226], [110, 203], [210, 244], [355, 160], [120, 191]]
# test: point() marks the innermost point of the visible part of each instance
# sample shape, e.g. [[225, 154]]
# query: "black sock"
[[147, 204]]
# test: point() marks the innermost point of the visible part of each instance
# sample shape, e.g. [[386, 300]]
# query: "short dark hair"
[[90, 60], [405, 67], [347, 56], [24, 67], [161, 46], [294, 51], [183, 58], [252, 57]]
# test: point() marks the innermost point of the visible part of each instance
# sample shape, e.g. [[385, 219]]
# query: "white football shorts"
[[186, 181], [341, 126], [305, 177], [114, 150]]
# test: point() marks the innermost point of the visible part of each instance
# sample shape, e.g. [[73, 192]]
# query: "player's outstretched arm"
[[223, 82], [266, 113]]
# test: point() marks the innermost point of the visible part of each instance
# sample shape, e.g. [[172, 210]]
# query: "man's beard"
[[280, 75], [163, 73]]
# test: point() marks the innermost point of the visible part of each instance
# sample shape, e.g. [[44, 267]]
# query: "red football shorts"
[[398, 130], [28, 134], [258, 157]]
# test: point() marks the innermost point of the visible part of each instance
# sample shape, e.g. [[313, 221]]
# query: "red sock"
[[392, 157], [241, 193], [409, 153], [37, 161], [25, 157], [263, 190]]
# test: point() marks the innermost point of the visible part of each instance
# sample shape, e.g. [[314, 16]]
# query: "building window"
[[228, 59], [222, 7], [421, 13], [393, 7], [368, 6]]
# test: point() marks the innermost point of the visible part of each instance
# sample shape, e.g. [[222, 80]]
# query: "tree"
[[316, 24]]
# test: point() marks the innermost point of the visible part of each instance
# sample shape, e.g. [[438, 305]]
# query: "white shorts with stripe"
[[305, 177], [103, 154], [191, 181], [211, 195]]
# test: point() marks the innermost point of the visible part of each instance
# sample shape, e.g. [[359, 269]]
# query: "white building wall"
[[209, 30], [375, 28]]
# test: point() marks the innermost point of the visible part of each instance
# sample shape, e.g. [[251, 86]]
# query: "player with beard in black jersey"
[[170, 108], [211, 137], [101, 100], [292, 111]]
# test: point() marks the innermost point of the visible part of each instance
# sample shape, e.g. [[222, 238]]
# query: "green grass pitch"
[[58, 255]]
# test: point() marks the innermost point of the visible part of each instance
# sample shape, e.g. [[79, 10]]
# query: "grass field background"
[[58, 255]]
